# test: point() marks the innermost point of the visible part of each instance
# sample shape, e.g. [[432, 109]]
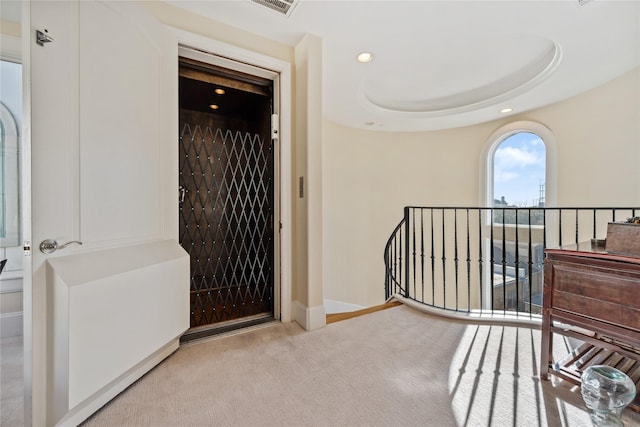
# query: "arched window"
[[518, 166], [518, 162]]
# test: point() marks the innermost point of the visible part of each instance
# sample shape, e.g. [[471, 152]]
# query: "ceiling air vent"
[[285, 7]]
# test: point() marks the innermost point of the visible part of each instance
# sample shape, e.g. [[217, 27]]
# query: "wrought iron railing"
[[485, 260]]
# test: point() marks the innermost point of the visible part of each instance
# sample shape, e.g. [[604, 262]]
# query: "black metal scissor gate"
[[226, 213]]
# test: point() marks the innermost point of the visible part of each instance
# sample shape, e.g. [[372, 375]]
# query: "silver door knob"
[[49, 246]]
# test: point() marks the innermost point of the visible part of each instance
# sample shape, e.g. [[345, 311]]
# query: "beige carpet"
[[396, 367], [11, 383]]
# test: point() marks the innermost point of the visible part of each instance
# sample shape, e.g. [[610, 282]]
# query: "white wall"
[[308, 305], [368, 177]]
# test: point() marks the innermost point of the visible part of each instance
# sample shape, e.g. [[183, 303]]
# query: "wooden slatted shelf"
[[575, 363]]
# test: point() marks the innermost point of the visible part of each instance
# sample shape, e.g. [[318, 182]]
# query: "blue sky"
[[519, 169]]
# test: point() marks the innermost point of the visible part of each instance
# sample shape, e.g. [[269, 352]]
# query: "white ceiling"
[[442, 64]]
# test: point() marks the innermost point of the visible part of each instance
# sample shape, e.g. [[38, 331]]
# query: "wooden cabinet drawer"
[[597, 294]]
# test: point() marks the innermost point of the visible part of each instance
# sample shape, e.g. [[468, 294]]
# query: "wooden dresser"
[[595, 298]]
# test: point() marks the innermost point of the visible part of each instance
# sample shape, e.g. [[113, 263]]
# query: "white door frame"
[[283, 165], [25, 206]]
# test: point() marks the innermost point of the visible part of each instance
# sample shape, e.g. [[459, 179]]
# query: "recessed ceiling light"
[[214, 106], [365, 57], [219, 91], [506, 110]]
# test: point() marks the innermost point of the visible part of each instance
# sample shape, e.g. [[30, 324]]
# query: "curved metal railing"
[[393, 263], [486, 260]]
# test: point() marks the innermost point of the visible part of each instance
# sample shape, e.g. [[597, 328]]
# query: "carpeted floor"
[[396, 367], [11, 383]]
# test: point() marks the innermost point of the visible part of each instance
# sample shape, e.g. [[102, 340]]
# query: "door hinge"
[[27, 248]]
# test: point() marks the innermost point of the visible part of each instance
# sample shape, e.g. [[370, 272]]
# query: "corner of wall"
[[309, 318], [308, 165]]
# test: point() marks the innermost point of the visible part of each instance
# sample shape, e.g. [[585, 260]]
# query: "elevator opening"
[[226, 195]]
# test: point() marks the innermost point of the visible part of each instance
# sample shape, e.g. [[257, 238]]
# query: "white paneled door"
[[103, 121]]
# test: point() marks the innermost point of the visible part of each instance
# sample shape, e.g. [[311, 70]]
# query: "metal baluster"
[[480, 260], [544, 229], [400, 259], [413, 252], [504, 264], [455, 252], [560, 227], [517, 264], [422, 251], [433, 263], [444, 262], [468, 264], [577, 239], [491, 259], [530, 266], [406, 250], [396, 261]]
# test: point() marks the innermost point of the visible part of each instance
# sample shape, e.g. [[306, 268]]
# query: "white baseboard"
[[333, 306], [309, 318], [11, 324]]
